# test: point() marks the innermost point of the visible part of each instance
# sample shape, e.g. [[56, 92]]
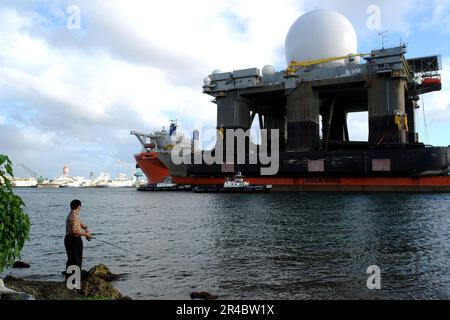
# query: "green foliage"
[[14, 222]]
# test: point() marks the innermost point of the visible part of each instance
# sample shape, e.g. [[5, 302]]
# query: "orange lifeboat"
[[431, 82]]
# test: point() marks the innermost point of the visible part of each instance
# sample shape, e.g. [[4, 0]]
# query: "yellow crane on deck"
[[295, 66]]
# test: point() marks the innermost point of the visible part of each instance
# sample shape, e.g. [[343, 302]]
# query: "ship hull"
[[152, 166], [342, 172], [338, 184]]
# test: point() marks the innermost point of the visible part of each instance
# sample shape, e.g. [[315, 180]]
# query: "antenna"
[[383, 36]]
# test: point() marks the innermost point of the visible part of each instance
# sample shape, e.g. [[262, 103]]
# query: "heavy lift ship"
[[322, 158]]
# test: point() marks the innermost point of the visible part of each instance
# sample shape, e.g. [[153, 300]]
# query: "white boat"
[[123, 181], [66, 181], [237, 183], [24, 183], [167, 183], [48, 184], [101, 181]]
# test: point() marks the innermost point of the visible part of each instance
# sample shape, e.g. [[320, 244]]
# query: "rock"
[[94, 285], [42, 290], [102, 272], [203, 295], [8, 294], [15, 296], [21, 265]]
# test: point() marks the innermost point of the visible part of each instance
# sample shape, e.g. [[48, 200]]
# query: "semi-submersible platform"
[[309, 103]]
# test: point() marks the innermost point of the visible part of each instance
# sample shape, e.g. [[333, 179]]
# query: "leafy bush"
[[14, 222]]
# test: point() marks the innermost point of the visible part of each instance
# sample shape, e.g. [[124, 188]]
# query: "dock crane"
[[295, 66], [33, 174]]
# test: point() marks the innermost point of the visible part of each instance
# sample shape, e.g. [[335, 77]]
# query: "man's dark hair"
[[75, 204]]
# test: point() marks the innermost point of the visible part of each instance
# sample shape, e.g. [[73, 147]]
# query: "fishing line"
[[115, 246]]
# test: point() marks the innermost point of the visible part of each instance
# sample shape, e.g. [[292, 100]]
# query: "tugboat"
[[166, 185], [236, 185]]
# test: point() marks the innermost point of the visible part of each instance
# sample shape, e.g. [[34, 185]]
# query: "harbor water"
[[252, 246]]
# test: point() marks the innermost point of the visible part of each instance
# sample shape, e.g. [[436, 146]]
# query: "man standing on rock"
[[75, 229]]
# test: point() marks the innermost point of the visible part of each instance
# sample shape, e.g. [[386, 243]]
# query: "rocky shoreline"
[[95, 285]]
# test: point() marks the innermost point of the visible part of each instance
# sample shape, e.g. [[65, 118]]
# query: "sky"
[[77, 76]]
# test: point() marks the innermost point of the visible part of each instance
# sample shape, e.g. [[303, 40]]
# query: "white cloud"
[[440, 17], [394, 14]]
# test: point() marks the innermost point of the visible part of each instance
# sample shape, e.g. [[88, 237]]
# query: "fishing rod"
[[115, 246]]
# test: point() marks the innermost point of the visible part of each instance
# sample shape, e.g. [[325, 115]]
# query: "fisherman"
[[75, 229]]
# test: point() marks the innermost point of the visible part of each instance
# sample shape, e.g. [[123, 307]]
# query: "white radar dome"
[[217, 71], [268, 70], [352, 59], [207, 81], [321, 34]]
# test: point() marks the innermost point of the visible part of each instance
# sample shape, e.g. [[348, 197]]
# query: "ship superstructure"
[[155, 157]]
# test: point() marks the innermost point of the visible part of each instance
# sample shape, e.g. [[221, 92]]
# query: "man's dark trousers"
[[74, 249]]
